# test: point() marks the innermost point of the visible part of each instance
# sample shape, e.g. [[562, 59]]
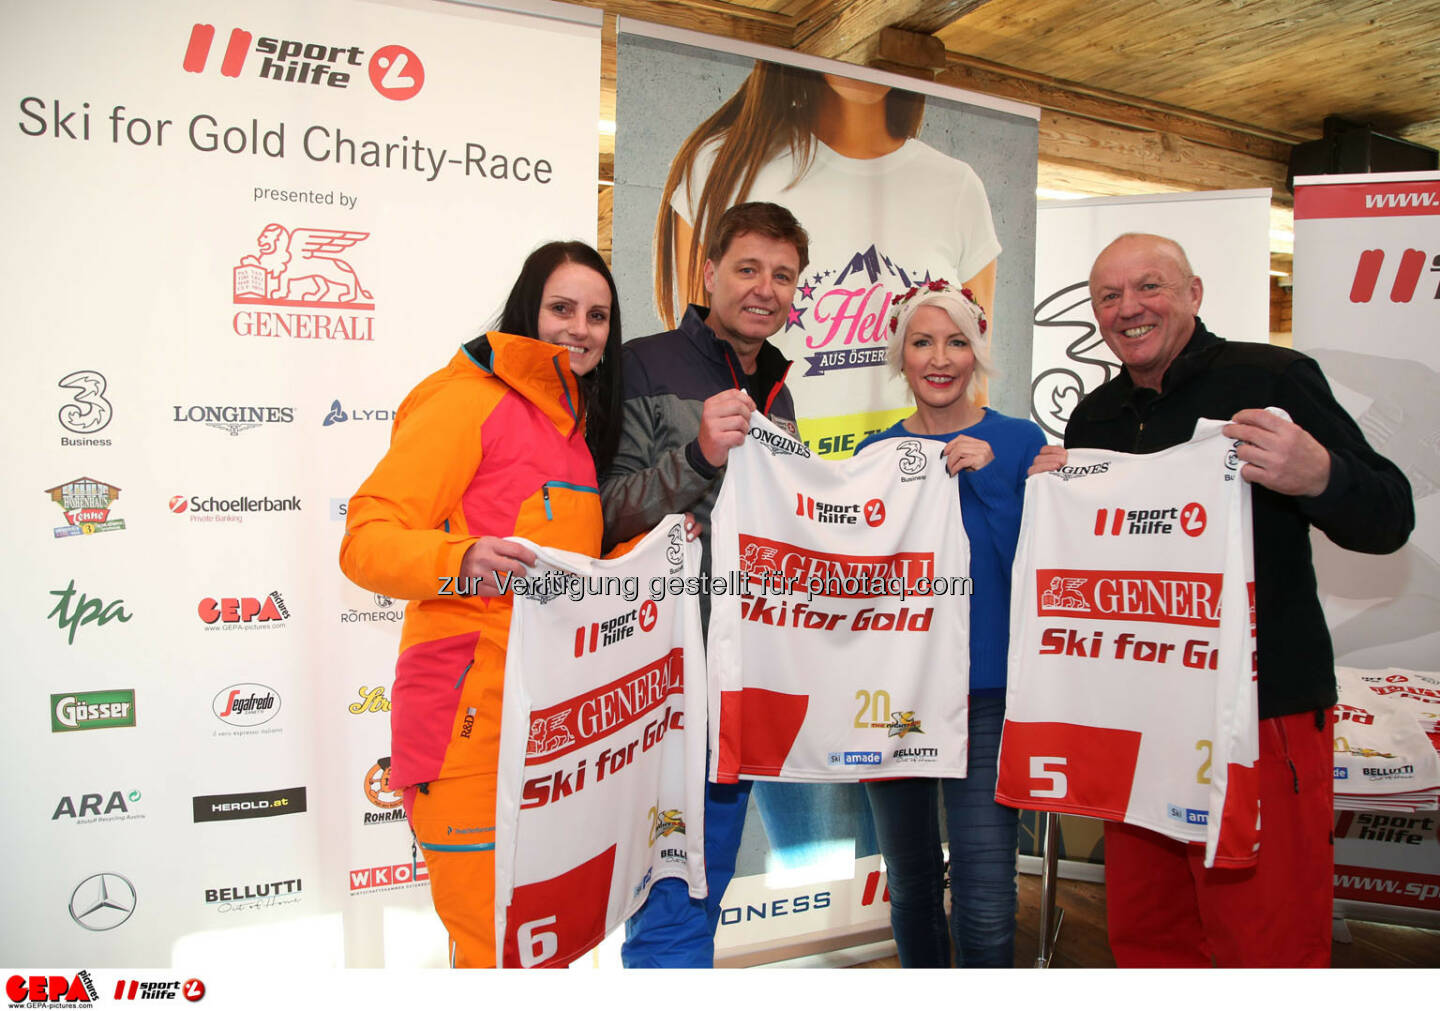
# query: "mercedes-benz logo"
[[102, 901]]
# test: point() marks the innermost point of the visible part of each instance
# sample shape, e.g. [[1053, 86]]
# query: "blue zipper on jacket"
[[545, 493]]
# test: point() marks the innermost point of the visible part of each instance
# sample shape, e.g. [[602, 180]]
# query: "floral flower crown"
[[897, 304]]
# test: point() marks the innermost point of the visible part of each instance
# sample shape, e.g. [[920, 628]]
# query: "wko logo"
[[1407, 275], [394, 71]]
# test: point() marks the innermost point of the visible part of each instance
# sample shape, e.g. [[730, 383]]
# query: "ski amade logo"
[[98, 710], [246, 704], [247, 613], [86, 504], [302, 270], [394, 71]]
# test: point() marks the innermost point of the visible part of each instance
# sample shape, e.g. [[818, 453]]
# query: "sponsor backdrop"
[[1367, 308], [950, 193], [237, 238], [1226, 235]]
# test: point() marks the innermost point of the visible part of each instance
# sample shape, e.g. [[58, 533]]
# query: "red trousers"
[[1164, 909]]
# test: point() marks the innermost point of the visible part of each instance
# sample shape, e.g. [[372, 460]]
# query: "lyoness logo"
[[394, 71]]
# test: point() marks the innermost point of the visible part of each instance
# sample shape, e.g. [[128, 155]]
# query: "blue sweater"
[[990, 502]]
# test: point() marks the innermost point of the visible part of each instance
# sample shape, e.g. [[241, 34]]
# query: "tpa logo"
[[1408, 268], [243, 612], [393, 70], [87, 610], [86, 504]]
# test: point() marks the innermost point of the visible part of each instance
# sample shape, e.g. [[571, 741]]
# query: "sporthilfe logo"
[[395, 71]]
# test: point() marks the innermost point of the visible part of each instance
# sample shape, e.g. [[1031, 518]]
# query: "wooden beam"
[[715, 17], [936, 16], [838, 27], [1109, 107], [902, 52], [1147, 156]]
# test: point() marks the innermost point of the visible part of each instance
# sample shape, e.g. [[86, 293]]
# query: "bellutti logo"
[[86, 504], [233, 418], [1408, 269], [99, 710], [1190, 518], [378, 792], [338, 415], [141, 989], [102, 901], [87, 809], [247, 613], [214, 509], [372, 700], [261, 895], [88, 411], [393, 70], [302, 268], [246, 704], [87, 610], [263, 804], [36, 991]]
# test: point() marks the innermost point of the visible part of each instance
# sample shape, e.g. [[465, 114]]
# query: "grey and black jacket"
[[658, 468]]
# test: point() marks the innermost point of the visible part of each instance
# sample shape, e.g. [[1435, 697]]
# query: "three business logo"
[[88, 411], [394, 71]]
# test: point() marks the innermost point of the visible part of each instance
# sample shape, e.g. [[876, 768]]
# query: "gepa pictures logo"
[[394, 71], [246, 612], [70, 991]]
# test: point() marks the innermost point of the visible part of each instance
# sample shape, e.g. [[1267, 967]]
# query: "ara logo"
[[394, 71], [1408, 270], [90, 808], [338, 415], [244, 612], [86, 504]]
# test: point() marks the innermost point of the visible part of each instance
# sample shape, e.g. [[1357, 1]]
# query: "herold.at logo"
[[88, 411], [378, 793], [246, 705], [92, 710], [394, 71], [36, 991], [247, 613], [302, 270], [86, 504], [263, 804]]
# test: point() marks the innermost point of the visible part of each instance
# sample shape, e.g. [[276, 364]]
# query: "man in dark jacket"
[[689, 393], [1316, 469]]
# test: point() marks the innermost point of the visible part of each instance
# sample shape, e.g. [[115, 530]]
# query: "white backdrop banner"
[[238, 236], [1226, 235], [1367, 308]]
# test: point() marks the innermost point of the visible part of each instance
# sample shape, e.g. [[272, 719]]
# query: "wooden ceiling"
[[1136, 95]]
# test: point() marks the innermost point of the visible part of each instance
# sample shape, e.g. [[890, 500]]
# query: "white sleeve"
[[973, 225]]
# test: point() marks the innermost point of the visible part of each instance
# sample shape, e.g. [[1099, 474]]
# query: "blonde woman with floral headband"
[[939, 344]]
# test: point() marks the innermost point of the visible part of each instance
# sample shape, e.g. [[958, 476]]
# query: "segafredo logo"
[[246, 704], [395, 71]]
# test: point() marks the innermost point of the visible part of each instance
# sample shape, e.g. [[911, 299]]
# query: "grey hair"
[[965, 314]]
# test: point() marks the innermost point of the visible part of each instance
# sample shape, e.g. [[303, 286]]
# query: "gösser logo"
[[1407, 275], [395, 71], [98, 710], [246, 704], [102, 901]]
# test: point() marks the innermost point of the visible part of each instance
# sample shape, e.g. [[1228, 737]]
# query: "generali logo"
[[1181, 598], [394, 71], [307, 269], [1408, 266]]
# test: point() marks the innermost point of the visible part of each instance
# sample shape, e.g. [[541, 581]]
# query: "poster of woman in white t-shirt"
[[885, 211]]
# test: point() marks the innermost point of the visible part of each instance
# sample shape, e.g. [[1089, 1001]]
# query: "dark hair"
[[600, 388], [770, 220], [777, 107]]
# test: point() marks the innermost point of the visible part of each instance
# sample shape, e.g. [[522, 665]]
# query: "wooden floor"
[[1083, 945]]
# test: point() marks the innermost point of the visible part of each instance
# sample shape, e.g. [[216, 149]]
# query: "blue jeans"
[[808, 822], [982, 838], [672, 930]]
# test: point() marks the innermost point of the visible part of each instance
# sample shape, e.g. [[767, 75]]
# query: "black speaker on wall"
[[1355, 147]]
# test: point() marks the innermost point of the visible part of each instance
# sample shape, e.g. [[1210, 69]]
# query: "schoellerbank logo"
[[214, 509], [1408, 265], [1181, 598], [243, 612], [393, 70]]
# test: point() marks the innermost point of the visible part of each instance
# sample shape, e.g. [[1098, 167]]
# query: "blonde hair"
[[968, 318]]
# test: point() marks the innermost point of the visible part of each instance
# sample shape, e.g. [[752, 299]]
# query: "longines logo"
[[102, 901], [233, 418], [88, 411], [86, 504], [302, 269]]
